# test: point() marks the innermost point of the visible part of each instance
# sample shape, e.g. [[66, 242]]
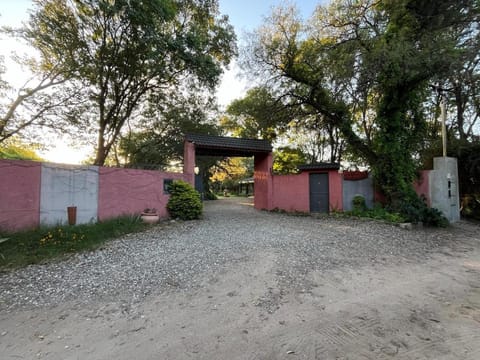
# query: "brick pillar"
[[189, 162], [263, 180]]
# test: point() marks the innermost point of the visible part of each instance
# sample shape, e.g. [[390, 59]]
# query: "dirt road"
[[384, 307]]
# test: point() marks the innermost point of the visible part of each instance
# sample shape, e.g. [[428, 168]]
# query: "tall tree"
[[123, 51], [159, 141], [259, 114], [32, 107], [359, 53]]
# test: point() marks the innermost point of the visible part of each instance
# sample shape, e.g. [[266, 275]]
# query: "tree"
[[258, 115], [165, 124], [286, 160], [124, 51], [372, 58], [33, 106], [14, 149]]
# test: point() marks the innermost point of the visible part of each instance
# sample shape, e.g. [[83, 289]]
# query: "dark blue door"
[[319, 193]]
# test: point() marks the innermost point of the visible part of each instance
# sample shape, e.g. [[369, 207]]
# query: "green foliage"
[[35, 246], [258, 115], [166, 123], [414, 209], [123, 53], [471, 206], [365, 69], [378, 212], [358, 203], [210, 195], [184, 202], [15, 150], [286, 160]]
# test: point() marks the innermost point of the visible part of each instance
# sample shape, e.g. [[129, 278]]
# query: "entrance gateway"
[[261, 150], [316, 188]]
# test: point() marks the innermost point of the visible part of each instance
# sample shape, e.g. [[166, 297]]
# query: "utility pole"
[[443, 108]]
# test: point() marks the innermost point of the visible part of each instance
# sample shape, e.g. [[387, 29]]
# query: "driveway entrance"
[[248, 284]]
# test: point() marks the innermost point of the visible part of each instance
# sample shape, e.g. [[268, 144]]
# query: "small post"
[[72, 215]]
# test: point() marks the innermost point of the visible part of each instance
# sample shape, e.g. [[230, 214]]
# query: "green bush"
[[358, 203], [379, 213], [471, 206], [209, 195], [184, 202], [415, 210]]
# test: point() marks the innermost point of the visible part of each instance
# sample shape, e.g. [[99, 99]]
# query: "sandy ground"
[[406, 310]]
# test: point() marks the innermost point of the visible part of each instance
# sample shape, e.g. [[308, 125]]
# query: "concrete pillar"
[[444, 194], [189, 162], [263, 180]]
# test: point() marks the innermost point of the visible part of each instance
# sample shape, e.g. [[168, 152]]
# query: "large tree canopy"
[[365, 67], [124, 52]]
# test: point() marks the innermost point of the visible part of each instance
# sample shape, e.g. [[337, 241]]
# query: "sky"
[[244, 15]]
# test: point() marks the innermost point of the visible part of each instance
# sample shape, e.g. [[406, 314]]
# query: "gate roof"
[[227, 146]]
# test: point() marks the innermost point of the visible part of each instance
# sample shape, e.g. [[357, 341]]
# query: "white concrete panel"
[[68, 185], [444, 192]]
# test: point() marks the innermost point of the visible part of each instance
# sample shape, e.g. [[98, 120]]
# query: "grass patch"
[[35, 246]]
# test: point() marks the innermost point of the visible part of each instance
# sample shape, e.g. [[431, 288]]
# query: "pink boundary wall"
[[120, 192], [19, 194], [130, 191], [292, 192]]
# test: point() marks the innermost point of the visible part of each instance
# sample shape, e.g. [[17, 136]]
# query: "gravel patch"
[[186, 255]]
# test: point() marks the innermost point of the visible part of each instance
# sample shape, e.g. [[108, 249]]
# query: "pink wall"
[[291, 192], [335, 185], [19, 194], [130, 191], [262, 177], [422, 185]]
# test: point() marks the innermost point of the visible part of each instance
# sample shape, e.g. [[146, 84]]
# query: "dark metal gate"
[[319, 193]]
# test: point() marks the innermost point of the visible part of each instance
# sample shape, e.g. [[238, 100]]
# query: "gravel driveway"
[[278, 269]]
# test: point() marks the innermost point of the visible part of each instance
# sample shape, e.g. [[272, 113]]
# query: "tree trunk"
[[101, 154]]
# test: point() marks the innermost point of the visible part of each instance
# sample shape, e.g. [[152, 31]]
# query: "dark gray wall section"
[[357, 187]]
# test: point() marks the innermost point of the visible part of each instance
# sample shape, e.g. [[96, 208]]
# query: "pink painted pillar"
[[422, 185], [263, 182], [189, 162], [335, 189]]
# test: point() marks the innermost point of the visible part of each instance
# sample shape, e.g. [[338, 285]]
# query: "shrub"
[[415, 210], [471, 206], [358, 203], [209, 195], [184, 202]]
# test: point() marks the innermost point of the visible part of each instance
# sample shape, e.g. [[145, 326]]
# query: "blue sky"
[[246, 15], [243, 14]]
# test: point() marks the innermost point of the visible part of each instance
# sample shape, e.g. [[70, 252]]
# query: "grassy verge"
[[35, 246]]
